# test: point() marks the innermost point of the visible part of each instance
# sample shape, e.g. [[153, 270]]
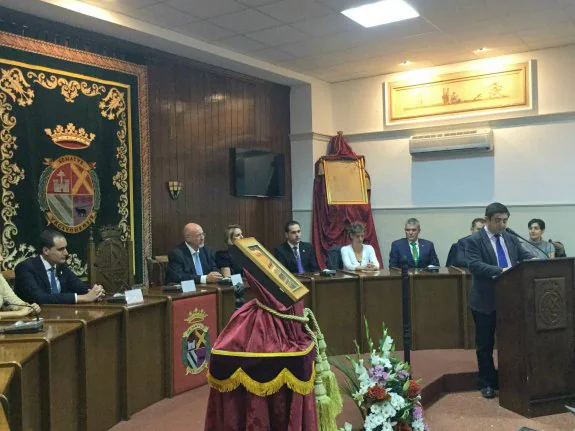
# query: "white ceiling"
[[311, 36]]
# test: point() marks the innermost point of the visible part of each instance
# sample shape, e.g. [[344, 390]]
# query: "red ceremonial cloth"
[[252, 329], [330, 221]]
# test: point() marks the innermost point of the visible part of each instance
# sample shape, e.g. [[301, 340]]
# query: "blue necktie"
[[501, 259], [298, 261], [53, 281], [198, 264]]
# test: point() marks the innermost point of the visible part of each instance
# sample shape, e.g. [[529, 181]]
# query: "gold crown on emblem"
[[196, 316], [70, 136]]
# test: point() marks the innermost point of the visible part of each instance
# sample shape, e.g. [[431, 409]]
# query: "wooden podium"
[[536, 337]]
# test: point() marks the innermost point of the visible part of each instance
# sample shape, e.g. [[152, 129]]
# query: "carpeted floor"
[[465, 411], [470, 412], [454, 412]]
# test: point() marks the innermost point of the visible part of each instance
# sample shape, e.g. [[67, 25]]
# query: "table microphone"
[[21, 327]]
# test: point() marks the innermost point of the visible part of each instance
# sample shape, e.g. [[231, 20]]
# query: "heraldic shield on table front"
[[73, 149]]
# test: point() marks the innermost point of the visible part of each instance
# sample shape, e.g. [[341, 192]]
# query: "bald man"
[[192, 260]]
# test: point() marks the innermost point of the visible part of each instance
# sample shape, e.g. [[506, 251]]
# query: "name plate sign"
[[134, 296], [188, 286]]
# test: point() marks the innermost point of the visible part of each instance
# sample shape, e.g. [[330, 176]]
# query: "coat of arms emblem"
[[69, 193], [196, 346]]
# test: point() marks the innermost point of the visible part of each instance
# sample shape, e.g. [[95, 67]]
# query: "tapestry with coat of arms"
[[74, 145]]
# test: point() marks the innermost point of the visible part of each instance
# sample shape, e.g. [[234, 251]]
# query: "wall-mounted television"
[[257, 173]]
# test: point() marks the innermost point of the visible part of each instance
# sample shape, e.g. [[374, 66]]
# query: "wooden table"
[[62, 389], [145, 328], [382, 304], [437, 309], [188, 327], [337, 306], [104, 347], [225, 302], [22, 363]]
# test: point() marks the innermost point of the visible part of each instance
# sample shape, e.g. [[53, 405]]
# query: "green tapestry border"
[[139, 188]]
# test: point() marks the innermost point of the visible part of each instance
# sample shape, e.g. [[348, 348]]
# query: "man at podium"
[[489, 252]]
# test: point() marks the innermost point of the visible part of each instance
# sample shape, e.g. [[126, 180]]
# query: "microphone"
[[512, 232], [174, 288], [403, 261], [21, 327]]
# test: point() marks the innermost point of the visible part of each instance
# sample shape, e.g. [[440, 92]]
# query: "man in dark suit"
[[192, 260], [456, 256], [419, 252], [297, 256], [489, 252], [45, 278]]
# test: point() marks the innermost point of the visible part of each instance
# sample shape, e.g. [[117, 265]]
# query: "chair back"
[[157, 270], [334, 260], [559, 248], [110, 262]]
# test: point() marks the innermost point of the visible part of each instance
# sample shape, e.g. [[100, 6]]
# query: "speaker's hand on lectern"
[[213, 277]]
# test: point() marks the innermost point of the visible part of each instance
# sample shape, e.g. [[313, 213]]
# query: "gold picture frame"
[[272, 268], [345, 182], [492, 89]]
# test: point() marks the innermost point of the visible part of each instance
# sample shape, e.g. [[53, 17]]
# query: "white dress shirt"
[[493, 241], [349, 259], [204, 277], [48, 268]]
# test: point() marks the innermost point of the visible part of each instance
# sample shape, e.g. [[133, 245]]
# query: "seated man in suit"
[[489, 252], [419, 252], [45, 278], [192, 260], [297, 256], [456, 256]]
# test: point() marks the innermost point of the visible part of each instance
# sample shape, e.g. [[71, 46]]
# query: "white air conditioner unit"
[[477, 140]]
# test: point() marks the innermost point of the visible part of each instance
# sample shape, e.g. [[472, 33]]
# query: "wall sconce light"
[[175, 187]]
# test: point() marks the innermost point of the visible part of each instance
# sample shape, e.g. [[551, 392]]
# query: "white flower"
[[397, 401], [372, 421], [387, 344], [346, 427], [418, 425], [387, 410], [380, 360], [358, 397]]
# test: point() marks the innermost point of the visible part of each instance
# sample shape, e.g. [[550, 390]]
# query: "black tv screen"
[[257, 173]]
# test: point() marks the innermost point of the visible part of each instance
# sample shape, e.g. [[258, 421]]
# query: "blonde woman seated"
[[12, 306], [223, 258], [358, 256]]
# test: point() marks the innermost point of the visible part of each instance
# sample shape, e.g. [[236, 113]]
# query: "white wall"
[[532, 169], [358, 104]]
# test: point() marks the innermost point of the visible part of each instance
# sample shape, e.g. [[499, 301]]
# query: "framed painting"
[[494, 89], [345, 182], [272, 269]]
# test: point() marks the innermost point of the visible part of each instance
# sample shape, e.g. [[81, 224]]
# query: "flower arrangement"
[[382, 388]]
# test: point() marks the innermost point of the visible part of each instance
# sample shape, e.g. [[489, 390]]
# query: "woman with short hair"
[[223, 258], [536, 245], [358, 256]]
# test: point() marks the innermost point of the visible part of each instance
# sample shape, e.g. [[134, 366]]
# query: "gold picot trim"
[[264, 355], [285, 377]]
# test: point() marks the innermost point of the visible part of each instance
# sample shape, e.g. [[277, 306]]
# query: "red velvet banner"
[[194, 329], [330, 221]]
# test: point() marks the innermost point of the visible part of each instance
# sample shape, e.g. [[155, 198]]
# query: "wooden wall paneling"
[[191, 134]]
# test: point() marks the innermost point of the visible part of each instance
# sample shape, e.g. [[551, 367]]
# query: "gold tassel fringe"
[[285, 377]]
